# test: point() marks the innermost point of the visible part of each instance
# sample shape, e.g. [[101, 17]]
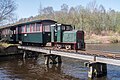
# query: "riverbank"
[[99, 39], [6, 49], [4, 46]]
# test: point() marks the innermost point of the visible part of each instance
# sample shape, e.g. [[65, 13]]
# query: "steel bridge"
[[97, 64]]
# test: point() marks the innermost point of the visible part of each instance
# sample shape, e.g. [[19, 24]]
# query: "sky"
[[27, 8]]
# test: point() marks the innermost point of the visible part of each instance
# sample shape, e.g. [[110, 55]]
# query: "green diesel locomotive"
[[41, 32], [64, 36]]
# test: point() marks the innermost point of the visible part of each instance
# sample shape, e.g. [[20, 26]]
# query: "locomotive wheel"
[[68, 47], [59, 46]]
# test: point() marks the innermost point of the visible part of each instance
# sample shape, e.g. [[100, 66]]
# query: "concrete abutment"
[[97, 69]]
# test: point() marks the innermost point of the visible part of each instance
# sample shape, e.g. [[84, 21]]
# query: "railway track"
[[96, 53]]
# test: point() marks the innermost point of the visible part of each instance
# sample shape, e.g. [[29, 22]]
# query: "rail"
[[89, 55]]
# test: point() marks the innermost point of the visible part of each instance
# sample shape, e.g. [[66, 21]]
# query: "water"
[[71, 69], [31, 69]]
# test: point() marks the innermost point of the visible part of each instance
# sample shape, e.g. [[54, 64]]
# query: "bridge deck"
[[90, 55]]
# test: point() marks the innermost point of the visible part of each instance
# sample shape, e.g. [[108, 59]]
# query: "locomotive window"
[[32, 27], [38, 27], [22, 28], [63, 27], [10, 32], [5, 31], [16, 30], [47, 28], [66, 28], [28, 28]]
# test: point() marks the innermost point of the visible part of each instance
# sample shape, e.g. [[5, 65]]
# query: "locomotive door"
[[19, 33], [13, 34], [53, 33]]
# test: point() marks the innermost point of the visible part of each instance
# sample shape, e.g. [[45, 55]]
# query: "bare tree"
[[7, 8], [48, 10], [40, 9], [93, 18], [64, 8]]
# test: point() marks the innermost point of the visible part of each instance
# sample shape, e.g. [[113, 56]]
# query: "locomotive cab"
[[64, 36], [57, 31]]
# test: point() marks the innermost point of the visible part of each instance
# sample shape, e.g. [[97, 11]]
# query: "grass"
[[115, 39], [102, 39]]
